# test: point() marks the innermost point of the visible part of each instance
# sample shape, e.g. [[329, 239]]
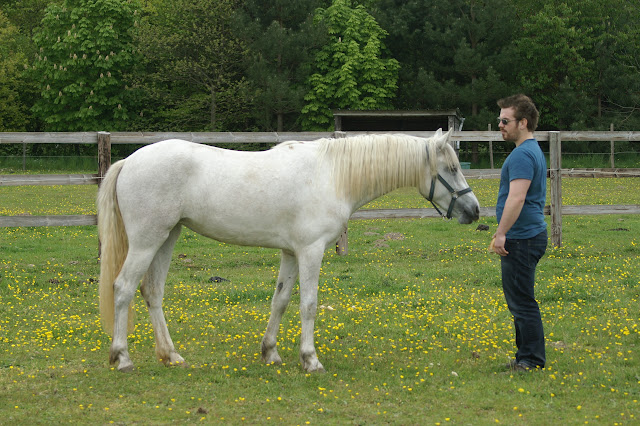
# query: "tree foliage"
[[13, 112], [571, 49], [618, 62], [350, 72], [194, 61], [281, 36], [85, 54], [243, 65], [556, 63]]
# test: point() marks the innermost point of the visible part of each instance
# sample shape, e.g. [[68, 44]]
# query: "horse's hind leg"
[[152, 290], [124, 289], [286, 279]]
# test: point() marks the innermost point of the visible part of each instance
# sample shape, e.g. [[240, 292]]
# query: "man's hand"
[[498, 244]]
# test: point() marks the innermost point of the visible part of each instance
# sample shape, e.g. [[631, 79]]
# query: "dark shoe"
[[511, 364], [520, 367]]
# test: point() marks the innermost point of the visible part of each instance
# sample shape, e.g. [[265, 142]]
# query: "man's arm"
[[512, 207]]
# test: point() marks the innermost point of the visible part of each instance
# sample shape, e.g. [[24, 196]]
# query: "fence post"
[[104, 154], [490, 148], [555, 173], [613, 150], [104, 162], [342, 245]]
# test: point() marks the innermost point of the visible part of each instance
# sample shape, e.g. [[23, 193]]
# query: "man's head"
[[518, 118], [523, 108]]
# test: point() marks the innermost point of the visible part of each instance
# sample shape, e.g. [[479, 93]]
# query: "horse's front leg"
[[310, 262], [286, 279]]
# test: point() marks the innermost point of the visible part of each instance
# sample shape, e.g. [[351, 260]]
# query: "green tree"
[[576, 62], [85, 53], [350, 71], [26, 14], [13, 112], [557, 68], [193, 61], [280, 35], [618, 61], [454, 54]]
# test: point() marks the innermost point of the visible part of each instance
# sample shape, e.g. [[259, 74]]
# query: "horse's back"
[[184, 168]]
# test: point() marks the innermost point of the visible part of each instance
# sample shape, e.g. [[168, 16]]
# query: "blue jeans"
[[518, 280]]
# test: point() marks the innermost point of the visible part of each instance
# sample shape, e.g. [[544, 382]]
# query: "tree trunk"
[[213, 110], [474, 112], [280, 122]]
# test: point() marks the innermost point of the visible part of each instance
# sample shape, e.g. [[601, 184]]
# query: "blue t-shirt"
[[525, 162]]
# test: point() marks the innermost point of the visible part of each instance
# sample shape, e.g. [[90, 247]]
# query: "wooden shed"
[[346, 120]]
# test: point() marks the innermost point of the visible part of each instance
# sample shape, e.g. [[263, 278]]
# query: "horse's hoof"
[[270, 355], [313, 367], [173, 360], [127, 368], [272, 360]]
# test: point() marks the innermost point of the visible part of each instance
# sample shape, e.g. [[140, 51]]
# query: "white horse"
[[297, 196]]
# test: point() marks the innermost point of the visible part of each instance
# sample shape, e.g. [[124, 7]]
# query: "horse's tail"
[[114, 244]]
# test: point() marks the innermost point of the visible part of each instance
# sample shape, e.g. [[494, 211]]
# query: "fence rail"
[[104, 140], [365, 214], [94, 179], [23, 180], [144, 138], [51, 220]]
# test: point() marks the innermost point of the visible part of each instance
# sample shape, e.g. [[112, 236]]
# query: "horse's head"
[[445, 185]]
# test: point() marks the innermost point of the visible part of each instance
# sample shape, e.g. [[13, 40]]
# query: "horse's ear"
[[442, 139], [445, 138]]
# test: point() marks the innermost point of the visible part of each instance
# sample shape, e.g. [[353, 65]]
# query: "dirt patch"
[[391, 236], [559, 345], [396, 236]]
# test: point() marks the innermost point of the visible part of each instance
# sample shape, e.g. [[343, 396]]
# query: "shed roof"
[[386, 120]]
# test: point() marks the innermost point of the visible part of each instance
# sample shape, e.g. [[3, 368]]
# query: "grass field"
[[413, 329]]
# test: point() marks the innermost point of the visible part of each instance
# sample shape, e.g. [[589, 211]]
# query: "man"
[[521, 238]]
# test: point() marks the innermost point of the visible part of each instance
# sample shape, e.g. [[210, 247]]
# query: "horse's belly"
[[239, 231], [283, 229]]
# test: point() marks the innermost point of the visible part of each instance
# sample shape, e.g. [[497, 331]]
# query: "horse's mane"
[[372, 165]]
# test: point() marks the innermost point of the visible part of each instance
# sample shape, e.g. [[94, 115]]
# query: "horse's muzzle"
[[469, 214]]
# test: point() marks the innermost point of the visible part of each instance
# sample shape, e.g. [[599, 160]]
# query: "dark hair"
[[524, 108]]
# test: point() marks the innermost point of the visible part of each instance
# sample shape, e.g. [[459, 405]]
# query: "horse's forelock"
[[440, 143], [433, 148], [432, 156]]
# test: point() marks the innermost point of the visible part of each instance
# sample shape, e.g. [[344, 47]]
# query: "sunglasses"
[[505, 121]]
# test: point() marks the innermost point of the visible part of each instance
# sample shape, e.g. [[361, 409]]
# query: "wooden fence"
[[104, 140]]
